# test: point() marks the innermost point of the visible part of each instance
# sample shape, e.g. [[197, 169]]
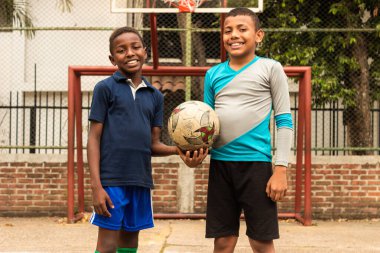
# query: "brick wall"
[[32, 188], [342, 187]]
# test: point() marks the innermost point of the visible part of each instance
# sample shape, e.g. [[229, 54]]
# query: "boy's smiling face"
[[128, 54], [240, 37]]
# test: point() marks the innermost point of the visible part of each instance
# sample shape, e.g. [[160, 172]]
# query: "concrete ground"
[[187, 236]]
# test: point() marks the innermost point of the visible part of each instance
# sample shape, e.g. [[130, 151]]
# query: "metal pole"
[[299, 155], [78, 119], [188, 56], [223, 54], [70, 148], [153, 39], [32, 131], [307, 92]]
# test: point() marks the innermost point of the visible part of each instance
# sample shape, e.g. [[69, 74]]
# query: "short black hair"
[[242, 11], [121, 30]]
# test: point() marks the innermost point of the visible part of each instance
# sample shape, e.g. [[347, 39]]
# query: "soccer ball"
[[193, 125]]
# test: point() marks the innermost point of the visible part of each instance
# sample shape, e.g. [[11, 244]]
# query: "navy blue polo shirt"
[[125, 147]]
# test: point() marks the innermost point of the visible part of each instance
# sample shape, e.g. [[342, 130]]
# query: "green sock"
[[123, 250], [126, 250]]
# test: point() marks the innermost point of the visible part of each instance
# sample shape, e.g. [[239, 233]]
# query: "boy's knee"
[[107, 248], [225, 244], [262, 246]]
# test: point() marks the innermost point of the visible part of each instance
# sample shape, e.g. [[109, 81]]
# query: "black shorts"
[[237, 186]]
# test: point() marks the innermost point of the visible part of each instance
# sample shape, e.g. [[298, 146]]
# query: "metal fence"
[[339, 39], [36, 122]]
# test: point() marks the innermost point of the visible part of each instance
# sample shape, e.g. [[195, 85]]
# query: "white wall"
[[5, 62], [53, 51]]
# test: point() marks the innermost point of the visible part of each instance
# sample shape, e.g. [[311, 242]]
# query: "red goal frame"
[[303, 152]]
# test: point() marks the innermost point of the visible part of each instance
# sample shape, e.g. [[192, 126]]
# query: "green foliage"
[[65, 5], [6, 9], [22, 17], [330, 53], [242, 3], [18, 12]]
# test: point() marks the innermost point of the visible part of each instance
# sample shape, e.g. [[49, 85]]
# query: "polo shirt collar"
[[119, 77]]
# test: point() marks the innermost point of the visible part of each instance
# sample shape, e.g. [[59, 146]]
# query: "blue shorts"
[[132, 211]]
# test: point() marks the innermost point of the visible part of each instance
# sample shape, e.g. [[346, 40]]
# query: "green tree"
[[16, 13], [340, 40]]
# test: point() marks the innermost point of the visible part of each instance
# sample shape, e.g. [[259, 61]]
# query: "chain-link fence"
[[40, 39]]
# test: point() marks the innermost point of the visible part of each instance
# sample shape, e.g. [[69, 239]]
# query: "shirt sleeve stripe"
[[284, 120]]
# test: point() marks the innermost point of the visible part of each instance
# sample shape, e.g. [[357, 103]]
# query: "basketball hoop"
[[184, 5]]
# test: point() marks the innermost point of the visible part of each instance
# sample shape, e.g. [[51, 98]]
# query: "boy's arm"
[[277, 184], [160, 149], [100, 197]]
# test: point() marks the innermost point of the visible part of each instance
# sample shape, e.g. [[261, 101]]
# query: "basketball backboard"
[[164, 6]]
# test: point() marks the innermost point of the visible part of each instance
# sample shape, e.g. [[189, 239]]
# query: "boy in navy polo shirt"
[[126, 119]]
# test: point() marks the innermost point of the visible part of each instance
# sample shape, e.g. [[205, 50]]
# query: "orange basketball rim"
[[184, 5]]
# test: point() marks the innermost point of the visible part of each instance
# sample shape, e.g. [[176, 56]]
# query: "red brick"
[[35, 165], [169, 187], [332, 177], [7, 180], [358, 172], [35, 175], [323, 183], [25, 170], [160, 192], [12, 208], [351, 166], [368, 188], [58, 170], [52, 164], [171, 165], [162, 181], [171, 176], [341, 182], [352, 188], [371, 177], [356, 182], [333, 166], [161, 170], [17, 164], [324, 172], [43, 181], [358, 194], [32, 186], [350, 177], [341, 172], [170, 198], [370, 166], [34, 197], [8, 170]]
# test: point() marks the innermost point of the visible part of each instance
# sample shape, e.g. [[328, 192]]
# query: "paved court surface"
[[187, 236]]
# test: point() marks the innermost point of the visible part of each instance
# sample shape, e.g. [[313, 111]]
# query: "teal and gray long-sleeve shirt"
[[244, 101]]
